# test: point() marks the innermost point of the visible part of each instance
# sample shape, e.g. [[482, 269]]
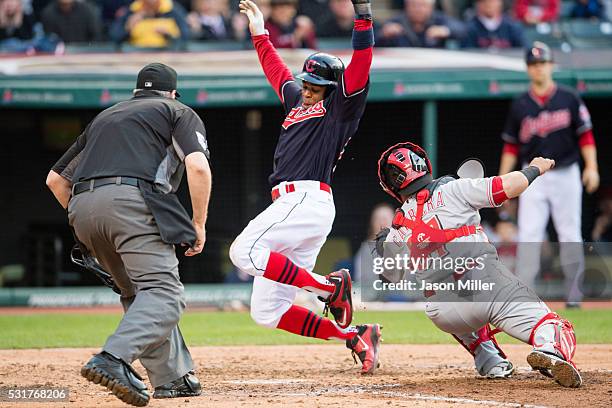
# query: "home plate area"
[[325, 375]]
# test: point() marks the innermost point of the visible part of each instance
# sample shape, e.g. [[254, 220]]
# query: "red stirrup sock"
[[281, 269], [302, 321]]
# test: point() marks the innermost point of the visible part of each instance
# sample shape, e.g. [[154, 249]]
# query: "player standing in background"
[[279, 247], [440, 219], [551, 120]]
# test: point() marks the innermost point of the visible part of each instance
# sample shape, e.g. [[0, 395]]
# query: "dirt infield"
[[322, 376]]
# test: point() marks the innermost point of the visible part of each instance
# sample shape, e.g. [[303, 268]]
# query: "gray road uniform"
[[508, 304], [125, 167]]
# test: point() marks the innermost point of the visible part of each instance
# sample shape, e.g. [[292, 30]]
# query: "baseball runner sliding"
[[279, 247]]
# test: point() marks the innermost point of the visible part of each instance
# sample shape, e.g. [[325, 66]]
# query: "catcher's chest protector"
[[425, 238]]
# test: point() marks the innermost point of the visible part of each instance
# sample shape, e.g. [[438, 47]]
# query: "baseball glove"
[[380, 240]]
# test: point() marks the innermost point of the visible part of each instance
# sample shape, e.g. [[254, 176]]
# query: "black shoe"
[[118, 377], [186, 386]]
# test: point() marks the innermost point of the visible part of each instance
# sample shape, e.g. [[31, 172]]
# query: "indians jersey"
[[548, 129], [313, 139]]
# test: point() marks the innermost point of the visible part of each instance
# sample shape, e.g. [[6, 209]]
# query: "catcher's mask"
[[404, 169]]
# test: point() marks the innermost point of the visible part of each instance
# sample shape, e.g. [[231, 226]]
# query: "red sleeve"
[[520, 9], [497, 187], [551, 11], [358, 71], [511, 148], [273, 66], [586, 139]]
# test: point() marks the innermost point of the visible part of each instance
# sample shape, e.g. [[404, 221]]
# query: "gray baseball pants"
[[116, 225], [513, 308]]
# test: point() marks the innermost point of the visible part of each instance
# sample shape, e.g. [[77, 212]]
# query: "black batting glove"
[[363, 9]]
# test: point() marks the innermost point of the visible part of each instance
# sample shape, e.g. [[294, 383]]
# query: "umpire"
[[118, 182]]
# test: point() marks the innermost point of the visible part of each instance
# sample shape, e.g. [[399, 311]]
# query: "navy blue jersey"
[[313, 139], [548, 130]]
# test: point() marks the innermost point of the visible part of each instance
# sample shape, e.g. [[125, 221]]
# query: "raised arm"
[[491, 192], [273, 66], [515, 182], [358, 71]]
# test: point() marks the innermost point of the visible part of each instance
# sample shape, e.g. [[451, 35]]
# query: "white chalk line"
[[267, 382], [378, 389]]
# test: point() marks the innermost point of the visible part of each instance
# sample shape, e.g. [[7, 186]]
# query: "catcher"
[[439, 220]]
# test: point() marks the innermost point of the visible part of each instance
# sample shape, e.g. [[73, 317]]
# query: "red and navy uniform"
[[313, 139], [551, 126]]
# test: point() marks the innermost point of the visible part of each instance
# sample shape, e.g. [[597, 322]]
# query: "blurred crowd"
[[45, 25]]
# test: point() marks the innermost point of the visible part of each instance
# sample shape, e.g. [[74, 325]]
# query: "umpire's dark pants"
[[116, 225]]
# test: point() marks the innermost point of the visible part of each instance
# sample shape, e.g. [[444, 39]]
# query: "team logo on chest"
[[300, 114], [544, 124]]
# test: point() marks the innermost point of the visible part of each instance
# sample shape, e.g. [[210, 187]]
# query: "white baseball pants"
[[295, 225], [557, 193]]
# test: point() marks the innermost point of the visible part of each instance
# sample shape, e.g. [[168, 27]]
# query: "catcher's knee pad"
[[555, 335]]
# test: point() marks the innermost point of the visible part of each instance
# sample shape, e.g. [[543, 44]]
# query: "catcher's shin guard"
[[489, 358], [554, 345]]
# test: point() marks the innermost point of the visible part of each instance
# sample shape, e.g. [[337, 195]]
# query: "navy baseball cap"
[[157, 77], [538, 52]]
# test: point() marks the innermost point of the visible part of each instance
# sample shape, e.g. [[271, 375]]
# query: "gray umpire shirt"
[[147, 137]]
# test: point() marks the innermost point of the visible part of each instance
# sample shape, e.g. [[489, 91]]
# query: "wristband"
[[531, 172]]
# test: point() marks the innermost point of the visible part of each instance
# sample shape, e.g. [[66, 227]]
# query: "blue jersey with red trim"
[[313, 139], [551, 129]]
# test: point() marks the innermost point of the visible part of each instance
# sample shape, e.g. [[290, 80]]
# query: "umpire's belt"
[[302, 185], [92, 184]]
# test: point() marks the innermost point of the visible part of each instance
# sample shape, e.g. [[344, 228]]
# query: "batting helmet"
[[322, 69], [538, 52], [404, 169]]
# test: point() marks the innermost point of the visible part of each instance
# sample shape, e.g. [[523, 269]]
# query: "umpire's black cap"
[[158, 77], [538, 52]]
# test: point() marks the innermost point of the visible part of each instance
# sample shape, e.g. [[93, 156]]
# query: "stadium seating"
[[551, 34], [589, 34]]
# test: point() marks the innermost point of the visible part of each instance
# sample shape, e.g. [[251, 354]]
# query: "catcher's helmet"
[[322, 69], [538, 52], [404, 169]]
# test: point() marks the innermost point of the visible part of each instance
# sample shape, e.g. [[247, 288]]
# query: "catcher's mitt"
[[380, 240]]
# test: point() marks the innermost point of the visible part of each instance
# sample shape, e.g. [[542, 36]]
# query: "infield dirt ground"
[[324, 376]]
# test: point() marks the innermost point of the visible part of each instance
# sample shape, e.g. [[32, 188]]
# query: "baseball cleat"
[[564, 372], [366, 345], [340, 303], [505, 369], [185, 386], [118, 377]]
